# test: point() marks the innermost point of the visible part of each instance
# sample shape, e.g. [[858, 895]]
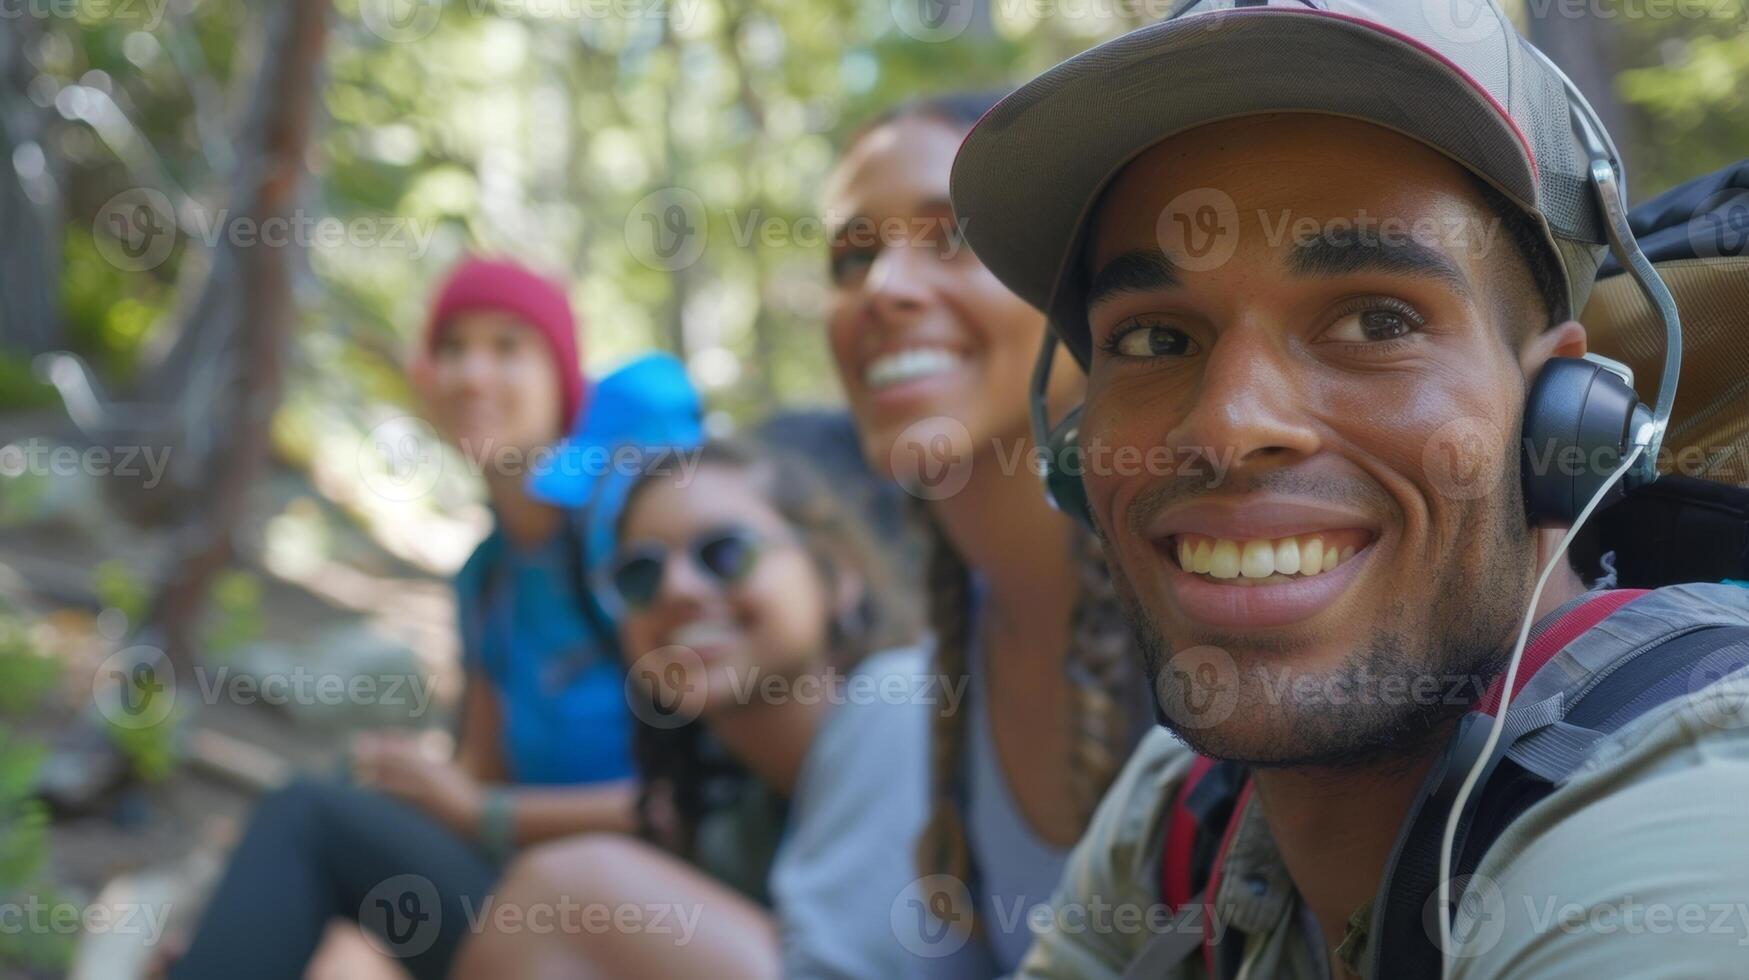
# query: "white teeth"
[[702, 633], [1287, 556], [1257, 560], [909, 365], [1261, 557], [1225, 562]]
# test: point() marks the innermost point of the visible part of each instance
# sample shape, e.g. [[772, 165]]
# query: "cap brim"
[[1033, 168], [1711, 414]]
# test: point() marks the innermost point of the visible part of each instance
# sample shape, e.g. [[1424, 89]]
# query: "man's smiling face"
[[1356, 364]]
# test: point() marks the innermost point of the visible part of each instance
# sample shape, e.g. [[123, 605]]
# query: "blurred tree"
[[228, 356], [1588, 48], [29, 203]]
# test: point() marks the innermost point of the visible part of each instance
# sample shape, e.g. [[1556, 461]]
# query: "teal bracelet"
[[498, 824]]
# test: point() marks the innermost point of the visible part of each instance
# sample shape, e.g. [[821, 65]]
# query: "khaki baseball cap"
[[1453, 74]]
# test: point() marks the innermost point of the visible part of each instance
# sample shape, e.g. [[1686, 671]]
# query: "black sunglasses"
[[726, 554]]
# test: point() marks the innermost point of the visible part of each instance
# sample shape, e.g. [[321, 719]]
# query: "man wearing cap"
[[1326, 247]]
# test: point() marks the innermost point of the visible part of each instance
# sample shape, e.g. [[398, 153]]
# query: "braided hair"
[[1108, 712], [1110, 700], [685, 775]]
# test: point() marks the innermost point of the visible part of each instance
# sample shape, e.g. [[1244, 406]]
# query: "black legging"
[[319, 851]]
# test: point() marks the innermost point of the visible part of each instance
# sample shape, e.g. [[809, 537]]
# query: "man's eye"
[[1373, 325], [1152, 341]]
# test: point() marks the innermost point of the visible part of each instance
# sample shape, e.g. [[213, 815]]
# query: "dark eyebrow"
[[1346, 252], [1140, 271]]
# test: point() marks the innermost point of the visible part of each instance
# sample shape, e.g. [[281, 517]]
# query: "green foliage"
[[22, 497], [150, 749], [19, 387], [109, 313], [118, 587], [1689, 79], [236, 611], [25, 676]]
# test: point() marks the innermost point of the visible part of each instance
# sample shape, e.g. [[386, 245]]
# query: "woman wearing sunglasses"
[[543, 748], [935, 357], [751, 610]]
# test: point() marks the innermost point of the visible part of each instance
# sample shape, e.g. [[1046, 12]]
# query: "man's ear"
[[1562, 340]]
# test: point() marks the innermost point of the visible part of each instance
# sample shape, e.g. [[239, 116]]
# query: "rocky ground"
[[285, 699]]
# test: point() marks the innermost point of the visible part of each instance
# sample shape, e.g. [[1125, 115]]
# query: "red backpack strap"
[[1555, 639], [1177, 856], [1214, 885]]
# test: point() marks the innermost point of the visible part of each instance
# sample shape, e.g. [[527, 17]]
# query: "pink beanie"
[[477, 284]]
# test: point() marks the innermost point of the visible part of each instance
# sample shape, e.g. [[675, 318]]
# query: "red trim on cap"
[[981, 117], [1555, 639], [1529, 153]]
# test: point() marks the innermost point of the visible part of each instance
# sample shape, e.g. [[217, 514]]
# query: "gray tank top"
[[1016, 869]]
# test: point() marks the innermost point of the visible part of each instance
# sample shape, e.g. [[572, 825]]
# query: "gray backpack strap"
[[1539, 735], [1180, 941]]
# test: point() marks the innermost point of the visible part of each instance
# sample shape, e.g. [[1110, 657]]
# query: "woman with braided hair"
[[935, 357]]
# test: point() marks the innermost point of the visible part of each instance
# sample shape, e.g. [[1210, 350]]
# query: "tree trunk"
[[242, 321], [1587, 48], [29, 219]]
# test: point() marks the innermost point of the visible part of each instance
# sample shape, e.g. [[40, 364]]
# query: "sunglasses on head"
[[726, 554]]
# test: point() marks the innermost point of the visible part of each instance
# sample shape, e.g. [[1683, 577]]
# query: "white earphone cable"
[[1457, 808]]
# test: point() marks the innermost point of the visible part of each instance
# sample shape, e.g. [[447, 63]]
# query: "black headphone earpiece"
[[1062, 469], [1581, 417]]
